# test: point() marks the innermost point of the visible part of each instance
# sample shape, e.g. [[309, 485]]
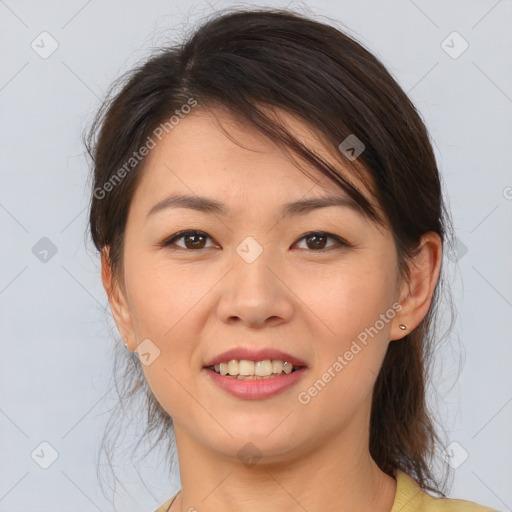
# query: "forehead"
[[212, 153]]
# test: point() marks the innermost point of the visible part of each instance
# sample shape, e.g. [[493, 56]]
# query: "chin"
[[264, 442]]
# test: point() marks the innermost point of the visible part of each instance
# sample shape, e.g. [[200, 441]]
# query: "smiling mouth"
[[253, 370]]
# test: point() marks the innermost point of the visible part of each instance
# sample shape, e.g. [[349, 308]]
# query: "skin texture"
[[196, 303]]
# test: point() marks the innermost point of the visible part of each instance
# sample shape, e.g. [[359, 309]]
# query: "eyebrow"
[[212, 206]]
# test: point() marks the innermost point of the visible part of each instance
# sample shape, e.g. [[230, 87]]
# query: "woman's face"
[[254, 279]]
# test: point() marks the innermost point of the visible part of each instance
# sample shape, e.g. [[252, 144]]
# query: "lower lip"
[[256, 389]]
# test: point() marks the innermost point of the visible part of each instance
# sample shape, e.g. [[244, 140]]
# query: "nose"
[[255, 294]]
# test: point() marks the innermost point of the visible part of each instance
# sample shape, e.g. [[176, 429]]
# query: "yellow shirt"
[[409, 498]]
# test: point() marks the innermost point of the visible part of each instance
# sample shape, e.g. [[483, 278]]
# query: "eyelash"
[[182, 234]]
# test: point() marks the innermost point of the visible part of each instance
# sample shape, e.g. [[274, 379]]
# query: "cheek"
[[165, 308], [354, 305], [348, 299], [161, 295]]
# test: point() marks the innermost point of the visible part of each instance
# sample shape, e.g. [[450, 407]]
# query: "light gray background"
[[56, 339]]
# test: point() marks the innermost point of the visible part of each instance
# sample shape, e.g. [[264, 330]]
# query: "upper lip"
[[255, 355]]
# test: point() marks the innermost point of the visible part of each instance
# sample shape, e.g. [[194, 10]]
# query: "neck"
[[337, 475]]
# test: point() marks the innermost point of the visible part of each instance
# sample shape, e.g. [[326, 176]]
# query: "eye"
[[195, 240], [319, 239]]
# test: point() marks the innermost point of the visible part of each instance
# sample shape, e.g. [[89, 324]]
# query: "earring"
[[126, 344], [403, 327]]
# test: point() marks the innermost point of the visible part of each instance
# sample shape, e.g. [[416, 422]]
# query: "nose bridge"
[[252, 274], [254, 293]]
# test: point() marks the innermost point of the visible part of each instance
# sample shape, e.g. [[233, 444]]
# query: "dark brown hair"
[[253, 61]]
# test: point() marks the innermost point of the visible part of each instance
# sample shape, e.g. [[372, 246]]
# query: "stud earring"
[[403, 327]]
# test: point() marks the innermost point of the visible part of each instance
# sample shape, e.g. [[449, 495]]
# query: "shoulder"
[[411, 498], [164, 507]]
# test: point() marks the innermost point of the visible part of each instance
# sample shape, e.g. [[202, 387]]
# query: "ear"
[[117, 299], [416, 294]]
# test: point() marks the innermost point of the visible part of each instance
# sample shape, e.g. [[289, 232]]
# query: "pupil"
[[196, 243], [317, 237]]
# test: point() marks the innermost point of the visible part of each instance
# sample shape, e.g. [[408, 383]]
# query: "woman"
[[271, 225]]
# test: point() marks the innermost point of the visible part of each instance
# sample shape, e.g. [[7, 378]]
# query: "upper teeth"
[[259, 368]]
